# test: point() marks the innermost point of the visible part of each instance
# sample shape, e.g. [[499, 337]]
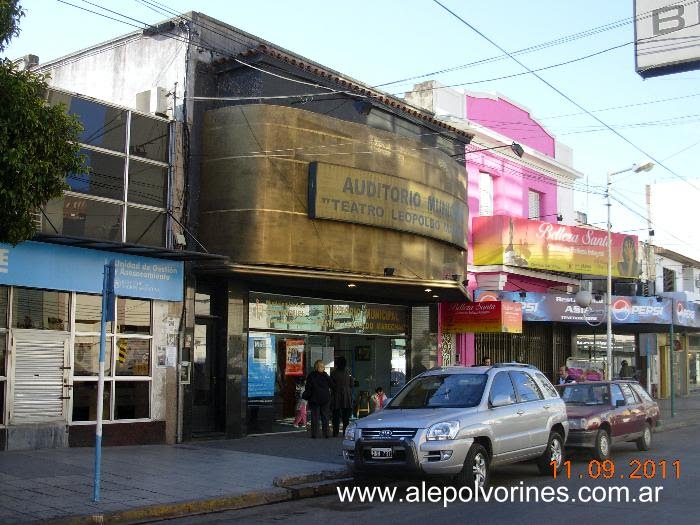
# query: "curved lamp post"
[[637, 168]]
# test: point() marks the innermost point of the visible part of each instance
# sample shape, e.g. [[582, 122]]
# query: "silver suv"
[[459, 422]]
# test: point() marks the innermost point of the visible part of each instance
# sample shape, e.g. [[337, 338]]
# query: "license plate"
[[382, 453]]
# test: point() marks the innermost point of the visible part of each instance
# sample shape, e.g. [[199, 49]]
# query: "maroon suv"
[[605, 412]]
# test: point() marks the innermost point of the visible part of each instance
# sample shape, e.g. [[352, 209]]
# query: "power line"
[[537, 47], [513, 75], [561, 93]]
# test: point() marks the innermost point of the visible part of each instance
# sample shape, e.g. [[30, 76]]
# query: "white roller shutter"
[[38, 379]]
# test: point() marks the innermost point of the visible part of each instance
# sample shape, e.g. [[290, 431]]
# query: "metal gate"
[[545, 345], [39, 378]]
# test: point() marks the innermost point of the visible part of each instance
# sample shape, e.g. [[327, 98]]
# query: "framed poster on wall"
[[295, 358], [362, 353]]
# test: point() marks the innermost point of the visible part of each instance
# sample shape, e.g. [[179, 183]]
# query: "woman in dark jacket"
[[319, 386], [342, 397]]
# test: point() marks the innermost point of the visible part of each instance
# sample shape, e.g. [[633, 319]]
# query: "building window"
[[124, 195], [128, 360], [485, 194], [669, 277], [40, 309], [534, 200]]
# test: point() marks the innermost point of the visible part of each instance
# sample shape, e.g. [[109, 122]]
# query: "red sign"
[[490, 316], [295, 358]]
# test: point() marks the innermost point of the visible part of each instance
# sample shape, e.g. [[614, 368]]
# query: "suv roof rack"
[[524, 365]]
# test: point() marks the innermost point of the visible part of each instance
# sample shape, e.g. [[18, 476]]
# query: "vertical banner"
[[262, 362], [295, 358]]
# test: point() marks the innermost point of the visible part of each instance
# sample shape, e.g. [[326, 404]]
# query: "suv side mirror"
[[501, 400], [620, 403]]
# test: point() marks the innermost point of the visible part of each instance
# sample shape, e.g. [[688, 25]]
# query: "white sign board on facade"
[[667, 36]]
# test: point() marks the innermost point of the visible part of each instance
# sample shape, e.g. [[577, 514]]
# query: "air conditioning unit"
[[581, 217], [154, 101]]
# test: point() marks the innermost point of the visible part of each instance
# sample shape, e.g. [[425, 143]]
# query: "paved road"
[[677, 499]]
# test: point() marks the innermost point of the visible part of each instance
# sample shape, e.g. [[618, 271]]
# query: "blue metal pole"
[[107, 312]]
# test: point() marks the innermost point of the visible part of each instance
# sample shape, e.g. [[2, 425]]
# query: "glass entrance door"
[[208, 380]]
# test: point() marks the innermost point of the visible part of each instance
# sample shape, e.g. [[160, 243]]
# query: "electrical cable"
[[561, 93], [537, 47]]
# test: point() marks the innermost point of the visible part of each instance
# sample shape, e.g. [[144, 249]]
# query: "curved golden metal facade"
[[254, 193]]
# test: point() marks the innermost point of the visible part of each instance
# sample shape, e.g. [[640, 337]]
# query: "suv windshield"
[[441, 391], [578, 394]]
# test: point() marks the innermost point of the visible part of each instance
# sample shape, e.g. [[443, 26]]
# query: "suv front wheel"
[[553, 452], [476, 468]]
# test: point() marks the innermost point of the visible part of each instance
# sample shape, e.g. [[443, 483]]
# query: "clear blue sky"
[[382, 41]]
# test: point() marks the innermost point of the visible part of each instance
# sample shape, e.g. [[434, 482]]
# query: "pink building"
[[532, 182]]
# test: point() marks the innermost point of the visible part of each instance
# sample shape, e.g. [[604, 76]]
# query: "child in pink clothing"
[[300, 420]]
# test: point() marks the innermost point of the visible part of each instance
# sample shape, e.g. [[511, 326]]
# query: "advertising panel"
[[262, 362], [295, 358], [666, 34], [56, 267], [303, 314], [515, 241], [687, 314], [492, 316], [563, 308], [365, 197]]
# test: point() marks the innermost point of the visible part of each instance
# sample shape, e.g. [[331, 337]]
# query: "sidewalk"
[[687, 412], [159, 481], [142, 482]]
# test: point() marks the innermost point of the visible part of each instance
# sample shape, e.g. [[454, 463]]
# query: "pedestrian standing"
[[301, 407], [342, 396], [319, 388], [378, 400]]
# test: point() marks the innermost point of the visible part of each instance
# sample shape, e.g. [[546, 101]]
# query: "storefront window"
[[40, 309], [85, 401], [133, 316], [131, 400], [133, 357], [128, 355], [88, 313], [87, 356], [590, 353]]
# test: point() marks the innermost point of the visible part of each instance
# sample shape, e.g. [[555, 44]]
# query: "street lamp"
[[515, 148], [637, 168]]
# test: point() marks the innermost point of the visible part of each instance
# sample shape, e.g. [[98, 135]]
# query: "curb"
[[286, 489], [666, 425]]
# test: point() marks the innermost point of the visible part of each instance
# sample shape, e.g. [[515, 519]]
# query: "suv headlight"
[[350, 432], [444, 430]]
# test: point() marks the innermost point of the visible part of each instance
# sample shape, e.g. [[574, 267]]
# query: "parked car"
[[603, 413], [460, 422]]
